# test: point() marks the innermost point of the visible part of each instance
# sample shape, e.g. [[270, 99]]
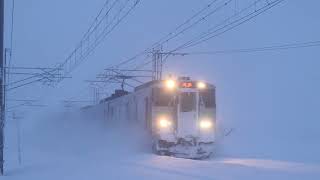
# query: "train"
[[179, 114]]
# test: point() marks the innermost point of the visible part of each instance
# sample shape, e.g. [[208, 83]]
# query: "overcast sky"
[[261, 93]]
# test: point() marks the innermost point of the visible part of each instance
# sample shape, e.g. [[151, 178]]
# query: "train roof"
[[157, 82], [116, 94], [147, 84], [119, 93]]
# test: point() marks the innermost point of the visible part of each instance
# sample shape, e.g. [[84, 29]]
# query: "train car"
[[180, 115]]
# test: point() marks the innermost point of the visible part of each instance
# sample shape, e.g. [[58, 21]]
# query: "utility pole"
[[2, 105], [17, 119], [157, 63], [96, 94]]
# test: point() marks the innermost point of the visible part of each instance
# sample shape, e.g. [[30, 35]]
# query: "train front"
[[184, 118]]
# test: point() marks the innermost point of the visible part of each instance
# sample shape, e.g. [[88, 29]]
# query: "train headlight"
[[164, 123], [170, 84], [201, 85], [206, 124]]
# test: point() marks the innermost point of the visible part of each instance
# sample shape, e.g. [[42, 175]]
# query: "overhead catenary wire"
[[230, 25], [24, 84], [167, 37], [116, 24], [173, 34], [79, 54], [118, 17], [91, 30], [215, 10], [193, 21], [27, 104], [278, 47], [36, 75], [226, 20], [195, 41], [87, 46], [257, 49], [180, 29], [105, 5]]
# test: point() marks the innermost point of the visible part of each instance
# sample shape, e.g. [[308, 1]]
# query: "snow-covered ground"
[[78, 148]]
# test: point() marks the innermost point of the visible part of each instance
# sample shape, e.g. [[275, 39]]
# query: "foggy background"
[[271, 99]]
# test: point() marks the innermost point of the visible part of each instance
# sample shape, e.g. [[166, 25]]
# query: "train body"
[[180, 115]]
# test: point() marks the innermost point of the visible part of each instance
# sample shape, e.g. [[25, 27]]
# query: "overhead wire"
[[224, 4], [97, 17], [174, 33], [189, 23], [83, 53], [164, 39], [258, 49], [207, 34], [116, 24], [229, 26], [249, 17], [117, 18]]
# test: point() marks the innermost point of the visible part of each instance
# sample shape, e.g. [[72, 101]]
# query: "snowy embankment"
[[76, 148]]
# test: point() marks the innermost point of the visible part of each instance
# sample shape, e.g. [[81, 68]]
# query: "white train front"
[[180, 115]]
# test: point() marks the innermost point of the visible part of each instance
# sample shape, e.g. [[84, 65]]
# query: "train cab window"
[[208, 97], [162, 97], [187, 101]]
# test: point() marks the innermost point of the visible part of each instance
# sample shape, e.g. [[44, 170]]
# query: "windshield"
[[162, 97], [187, 101], [207, 97]]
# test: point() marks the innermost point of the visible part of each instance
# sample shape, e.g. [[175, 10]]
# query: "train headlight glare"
[[164, 123], [170, 84], [201, 85], [206, 124]]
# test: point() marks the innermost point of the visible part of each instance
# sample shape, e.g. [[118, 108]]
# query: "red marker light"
[[187, 85]]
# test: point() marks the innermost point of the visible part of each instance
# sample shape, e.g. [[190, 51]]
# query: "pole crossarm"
[[25, 103], [29, 75], [115, 75]]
